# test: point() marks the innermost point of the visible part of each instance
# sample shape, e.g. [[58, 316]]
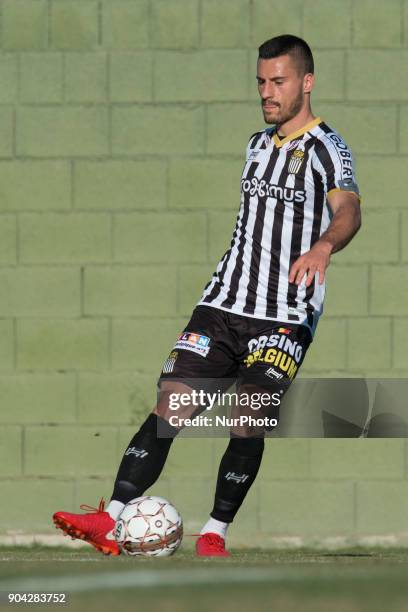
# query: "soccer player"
[[257, 316]]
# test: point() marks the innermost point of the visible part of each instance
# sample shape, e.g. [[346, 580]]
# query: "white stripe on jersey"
[[306, 238], [287, 228], [228, 261], [226, 256], [265, 263], [244, 279], [253, 211]]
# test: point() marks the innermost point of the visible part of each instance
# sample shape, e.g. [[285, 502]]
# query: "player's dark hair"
[[287, 44]]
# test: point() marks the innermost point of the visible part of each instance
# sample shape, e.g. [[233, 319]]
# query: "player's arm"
[[345, 223], [346, 220]]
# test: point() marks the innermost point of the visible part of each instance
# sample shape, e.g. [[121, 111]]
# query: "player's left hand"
[[315, 260]]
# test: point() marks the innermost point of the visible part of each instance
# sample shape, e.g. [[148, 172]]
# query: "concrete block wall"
[[123, 125]]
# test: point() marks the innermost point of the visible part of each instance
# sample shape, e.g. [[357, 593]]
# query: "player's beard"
[[283, 116]]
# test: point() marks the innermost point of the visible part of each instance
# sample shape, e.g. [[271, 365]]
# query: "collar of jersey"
[[279, 143]]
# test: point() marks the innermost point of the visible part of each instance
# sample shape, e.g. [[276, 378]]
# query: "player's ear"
[[308, 82]]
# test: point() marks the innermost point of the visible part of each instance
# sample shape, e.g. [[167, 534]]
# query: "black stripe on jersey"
[[226, 254], [258, 135], [325, 128], [297, 224], [319, 200], [217, 287], [276, 246], [236, 275], [250, 302], [238, 264], [325, 159]]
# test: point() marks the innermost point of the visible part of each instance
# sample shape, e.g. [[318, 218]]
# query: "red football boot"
[[96, 527], [211, 545]]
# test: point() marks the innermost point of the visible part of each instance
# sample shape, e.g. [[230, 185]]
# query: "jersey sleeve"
[[334, 162]]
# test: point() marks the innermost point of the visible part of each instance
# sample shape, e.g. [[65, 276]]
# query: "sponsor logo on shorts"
[[272, 373], [196, 343], [170, 362], [277, 350]]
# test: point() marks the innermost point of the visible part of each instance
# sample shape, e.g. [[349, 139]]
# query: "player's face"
[[282, 88]]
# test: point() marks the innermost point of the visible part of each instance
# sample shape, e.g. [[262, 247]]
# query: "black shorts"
[[217, 344]]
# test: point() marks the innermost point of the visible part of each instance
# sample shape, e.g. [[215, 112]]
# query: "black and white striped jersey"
[[283, 212]]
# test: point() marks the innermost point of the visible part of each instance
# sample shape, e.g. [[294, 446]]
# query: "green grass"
[[301, 580]]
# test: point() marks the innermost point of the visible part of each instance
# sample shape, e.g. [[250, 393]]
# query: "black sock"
[[144, 459], [238, 469]]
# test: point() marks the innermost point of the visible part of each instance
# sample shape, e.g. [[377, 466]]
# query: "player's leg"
[[145, 456], [146, 453], [237, 471], [195, 357], [141, 465], [241, 461]]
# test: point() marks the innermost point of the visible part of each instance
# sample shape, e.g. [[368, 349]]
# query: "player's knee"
[[247, 447], [169, 405], [158, 426]]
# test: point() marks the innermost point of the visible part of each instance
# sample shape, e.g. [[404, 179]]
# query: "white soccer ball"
[[149, 526]]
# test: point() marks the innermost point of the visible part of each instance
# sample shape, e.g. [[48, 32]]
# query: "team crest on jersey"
[[296, 161]]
